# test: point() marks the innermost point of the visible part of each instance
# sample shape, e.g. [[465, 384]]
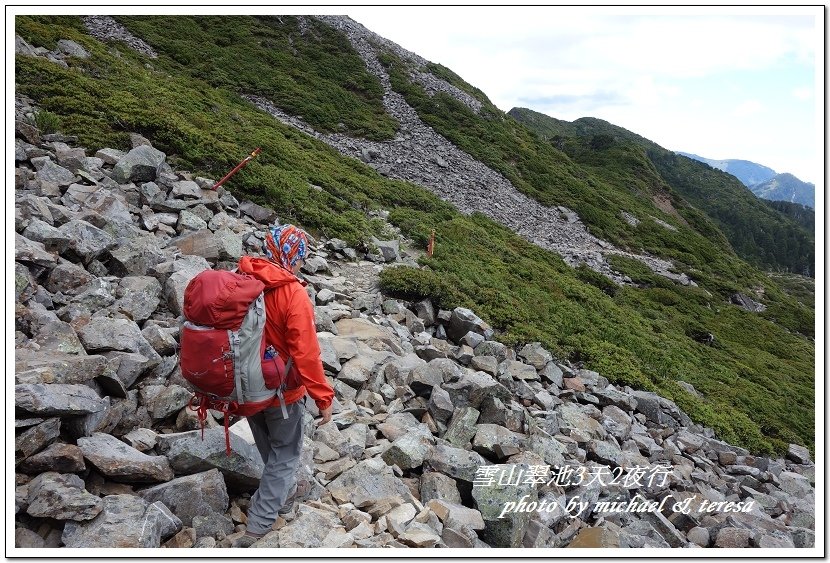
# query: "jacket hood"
[[267, 272]]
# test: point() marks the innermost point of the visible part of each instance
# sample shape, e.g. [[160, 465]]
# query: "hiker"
[[290, 327]]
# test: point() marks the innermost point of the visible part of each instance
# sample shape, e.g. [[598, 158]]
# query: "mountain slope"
[[756, 232], [642, 335], [786, 187]]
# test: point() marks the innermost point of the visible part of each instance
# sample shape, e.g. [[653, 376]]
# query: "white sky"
[[741, 82]]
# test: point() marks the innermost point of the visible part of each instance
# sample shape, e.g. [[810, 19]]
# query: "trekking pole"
[[239, 167]]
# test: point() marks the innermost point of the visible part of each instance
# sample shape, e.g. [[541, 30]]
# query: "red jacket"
[[290, 328]]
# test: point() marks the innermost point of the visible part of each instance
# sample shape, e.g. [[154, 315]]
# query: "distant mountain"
[[786, 187], [764, 182], [749, 173]]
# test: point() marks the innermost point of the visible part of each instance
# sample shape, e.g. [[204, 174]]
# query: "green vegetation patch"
[[306, 68]]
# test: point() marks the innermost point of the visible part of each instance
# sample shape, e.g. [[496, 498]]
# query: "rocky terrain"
[[441, 437], [421, 156]]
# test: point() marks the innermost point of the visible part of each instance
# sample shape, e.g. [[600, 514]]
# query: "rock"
[[62, 497], [138, 165], [795, 484], [798, 454], [768, 541], [536, 355], [120, 462], [51, 173], [57, 367], [57, 399], [310, 528], [494, 440], [369, 333], [168, 402], [732, 538], [440, 487], [72, 49], [698, 536], [213, 524], [201, 494], [142, 439], [462, 427], [366, 482], [36, 438], [455, 515], [88, 242], [472, 389], [125, 521], [34, 252], [457, 463], [504, 529], [27, 539], [440, 405], [188, 453], [389, 249], [425, 311], [605, 453], [419, 535], [423, 378], [409, 451], [397, 425], [64, 458], [463, 321], [747, 303], [597, 537], [574, 419], [518, 370], [53, 239], [617, 422], [399, 517], [260, 214], [549, 448], [183, 540], [649, 404]]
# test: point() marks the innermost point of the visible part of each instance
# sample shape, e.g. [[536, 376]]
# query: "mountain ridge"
[[763, 181], [745, 219]]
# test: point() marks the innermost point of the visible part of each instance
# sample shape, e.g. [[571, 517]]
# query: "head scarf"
[[285, 245]]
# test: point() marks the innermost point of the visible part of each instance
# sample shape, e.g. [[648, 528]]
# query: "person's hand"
[[326, 414]]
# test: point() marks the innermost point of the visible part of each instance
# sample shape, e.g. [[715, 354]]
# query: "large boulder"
[[463, 321], [121, 462], [366, 483], [138, 165], [189, 453], [195, 495], [125, 521], [62, 497]]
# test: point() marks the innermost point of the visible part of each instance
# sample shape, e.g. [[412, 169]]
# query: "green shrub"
[[414, 284], [47, 122]]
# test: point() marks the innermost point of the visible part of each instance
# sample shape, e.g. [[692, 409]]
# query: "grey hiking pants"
[[280, 443]]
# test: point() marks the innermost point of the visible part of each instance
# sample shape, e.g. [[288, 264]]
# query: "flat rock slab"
[[124, 521], [120, 462], [57, 399]]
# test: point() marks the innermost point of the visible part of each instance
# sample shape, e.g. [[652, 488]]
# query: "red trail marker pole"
[[239, 167]]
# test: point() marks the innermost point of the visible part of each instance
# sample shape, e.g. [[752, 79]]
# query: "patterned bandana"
[[285, 245]]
